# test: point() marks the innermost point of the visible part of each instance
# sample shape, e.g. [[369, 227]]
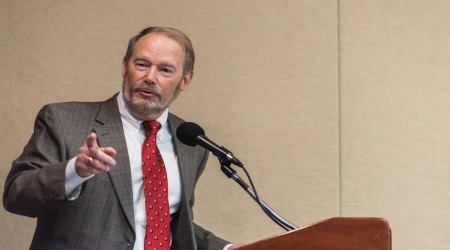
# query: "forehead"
[[158, 46]]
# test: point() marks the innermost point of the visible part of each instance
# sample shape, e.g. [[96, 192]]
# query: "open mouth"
[[145, 93]]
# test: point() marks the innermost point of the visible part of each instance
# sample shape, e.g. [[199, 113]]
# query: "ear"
[[123, 70], [187, 79]]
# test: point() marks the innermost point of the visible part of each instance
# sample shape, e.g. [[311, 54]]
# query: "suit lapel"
[[110, 134], [184, 237], [185, 163]]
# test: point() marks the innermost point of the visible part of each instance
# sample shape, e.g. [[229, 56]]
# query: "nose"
[[150, 76]]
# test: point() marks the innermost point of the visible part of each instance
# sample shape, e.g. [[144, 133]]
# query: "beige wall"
[[336, 107], [395, 106]]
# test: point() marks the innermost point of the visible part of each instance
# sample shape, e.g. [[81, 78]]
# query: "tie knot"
[[151, 128]]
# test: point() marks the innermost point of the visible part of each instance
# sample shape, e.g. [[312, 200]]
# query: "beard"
[[144, 106]]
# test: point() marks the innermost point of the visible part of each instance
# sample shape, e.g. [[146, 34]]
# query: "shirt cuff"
[[73, 180], [227, 246]]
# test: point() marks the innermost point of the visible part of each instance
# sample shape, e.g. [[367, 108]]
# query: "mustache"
[[148, 88]]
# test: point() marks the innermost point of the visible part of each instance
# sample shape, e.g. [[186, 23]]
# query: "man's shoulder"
[[175, 119], [78, 104], [76, 108], [72, 105]]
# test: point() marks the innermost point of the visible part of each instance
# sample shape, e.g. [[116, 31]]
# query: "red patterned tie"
[[157, 234]]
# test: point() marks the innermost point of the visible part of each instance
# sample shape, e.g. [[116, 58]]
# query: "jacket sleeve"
[[207, 240], [35, 183]]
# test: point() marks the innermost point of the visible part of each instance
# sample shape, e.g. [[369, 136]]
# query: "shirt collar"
[[136, 124]]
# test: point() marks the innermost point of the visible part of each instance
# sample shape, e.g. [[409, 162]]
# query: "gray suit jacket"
[[102, 216]]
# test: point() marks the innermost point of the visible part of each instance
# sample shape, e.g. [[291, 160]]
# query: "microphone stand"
[[231, 173]]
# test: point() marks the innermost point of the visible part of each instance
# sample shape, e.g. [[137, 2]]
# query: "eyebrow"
[[140, 59], [167, 65], [163, 64]]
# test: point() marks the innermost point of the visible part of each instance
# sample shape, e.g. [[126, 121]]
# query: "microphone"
[[192, 134]]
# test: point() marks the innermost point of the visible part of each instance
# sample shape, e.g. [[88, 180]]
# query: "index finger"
[[103, 157], [91, 141]]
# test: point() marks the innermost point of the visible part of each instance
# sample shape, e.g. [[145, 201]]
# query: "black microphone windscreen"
[[188, 132]]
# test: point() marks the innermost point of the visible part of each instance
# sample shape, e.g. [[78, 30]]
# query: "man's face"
[[153, 76]]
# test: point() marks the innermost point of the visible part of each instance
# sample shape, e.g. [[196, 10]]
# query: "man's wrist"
[[73, 180]]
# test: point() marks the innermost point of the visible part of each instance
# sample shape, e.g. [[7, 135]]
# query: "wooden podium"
[[339, 233]]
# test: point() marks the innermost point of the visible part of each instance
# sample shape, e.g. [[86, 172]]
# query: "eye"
[[167, 71], [140, 65]]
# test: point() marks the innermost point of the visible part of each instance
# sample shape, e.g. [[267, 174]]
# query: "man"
[[93, 193]]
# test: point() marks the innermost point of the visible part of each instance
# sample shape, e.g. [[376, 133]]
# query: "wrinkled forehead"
[[159, 45]]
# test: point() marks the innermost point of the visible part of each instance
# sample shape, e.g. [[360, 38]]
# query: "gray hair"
[[176, 35]]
